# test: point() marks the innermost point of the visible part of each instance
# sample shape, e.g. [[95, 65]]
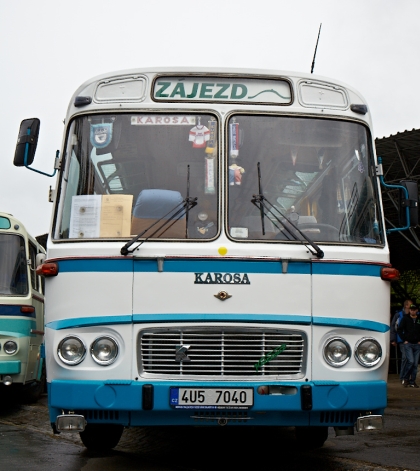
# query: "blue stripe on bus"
[[355, 269], [16, 327], [89, 321], [181, 266], [95, 265], [218, 266], [209, 317], [14, 310], [351, 323], [223, 266]]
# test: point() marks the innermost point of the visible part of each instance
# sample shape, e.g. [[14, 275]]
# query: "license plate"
[[211, 398]]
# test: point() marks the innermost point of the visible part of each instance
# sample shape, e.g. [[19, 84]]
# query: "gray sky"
[[49, 47]]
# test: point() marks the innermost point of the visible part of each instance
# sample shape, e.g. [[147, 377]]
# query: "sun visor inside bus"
[[105, 136], [301, 132], [27, 141]]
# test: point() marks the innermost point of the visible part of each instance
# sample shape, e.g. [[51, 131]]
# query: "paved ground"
[[403, 398], [26, 429]]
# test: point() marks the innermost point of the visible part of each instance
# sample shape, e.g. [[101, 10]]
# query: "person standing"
[[409, 331], [395, 339]]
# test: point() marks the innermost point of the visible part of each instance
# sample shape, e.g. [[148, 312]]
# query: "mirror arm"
[[56, 162], [380, 174]]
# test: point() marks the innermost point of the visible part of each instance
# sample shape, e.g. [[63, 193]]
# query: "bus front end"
[[21, 312], [217, 257]]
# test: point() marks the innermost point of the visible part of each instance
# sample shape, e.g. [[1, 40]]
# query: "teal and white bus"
[[22, 366], [217, 256]]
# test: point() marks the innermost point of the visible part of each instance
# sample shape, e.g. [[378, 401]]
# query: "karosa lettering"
[[221, 278], [160, 120], [212, 91]]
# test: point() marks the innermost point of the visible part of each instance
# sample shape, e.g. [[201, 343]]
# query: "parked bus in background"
[[22, 366], [217, 256]]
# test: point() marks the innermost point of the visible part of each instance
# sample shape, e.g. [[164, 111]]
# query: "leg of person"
[[416, 356], [403, 360], [409, 357]]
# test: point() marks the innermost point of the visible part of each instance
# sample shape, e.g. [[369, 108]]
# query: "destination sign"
[[211, 89]]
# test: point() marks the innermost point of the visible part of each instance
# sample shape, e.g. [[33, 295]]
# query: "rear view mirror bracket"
[[408, 200]]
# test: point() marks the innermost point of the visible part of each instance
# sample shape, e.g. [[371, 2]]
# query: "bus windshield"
[[315, 173], [13, 265], [126, 172]]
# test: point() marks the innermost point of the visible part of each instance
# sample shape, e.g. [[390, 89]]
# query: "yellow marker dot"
[[222, 250]]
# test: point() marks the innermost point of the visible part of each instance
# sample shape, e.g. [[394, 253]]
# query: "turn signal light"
[[390, 274], [47, 269], [27, 309]]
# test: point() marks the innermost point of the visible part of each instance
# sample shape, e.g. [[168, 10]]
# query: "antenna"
[[316, 47]]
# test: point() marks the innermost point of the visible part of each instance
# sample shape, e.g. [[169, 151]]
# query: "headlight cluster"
[[10, 347], [367, 351], [72, 350]]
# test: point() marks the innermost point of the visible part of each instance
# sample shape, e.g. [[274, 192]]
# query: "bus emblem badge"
[[222, 295], [181, 353]]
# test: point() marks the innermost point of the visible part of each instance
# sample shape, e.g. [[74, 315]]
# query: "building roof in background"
[[401, 161]]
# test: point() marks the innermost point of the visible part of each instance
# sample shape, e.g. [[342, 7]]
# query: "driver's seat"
[[153, 204]]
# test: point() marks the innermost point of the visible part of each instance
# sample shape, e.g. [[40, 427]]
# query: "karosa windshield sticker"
[[139, 120]]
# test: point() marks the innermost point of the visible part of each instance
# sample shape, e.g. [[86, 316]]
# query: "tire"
[[311, 437], [101, 437]]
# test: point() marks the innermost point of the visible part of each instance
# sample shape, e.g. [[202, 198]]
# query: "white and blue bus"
[[22, 367], [217, 256]]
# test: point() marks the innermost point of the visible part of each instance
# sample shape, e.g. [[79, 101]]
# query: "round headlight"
[[336, 352], [368, 352], [10, 347], [104, 350], [71, 350]]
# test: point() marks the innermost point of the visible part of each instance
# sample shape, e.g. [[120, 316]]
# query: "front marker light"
[[368, 352], [337, 352], [104, 350], [71, 350], [10, 347]]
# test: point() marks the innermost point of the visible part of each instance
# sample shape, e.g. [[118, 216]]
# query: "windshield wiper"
[[265, 207], [183, 210]]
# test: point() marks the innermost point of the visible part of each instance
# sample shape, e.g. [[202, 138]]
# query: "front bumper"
[[135, 403], [10, 367]]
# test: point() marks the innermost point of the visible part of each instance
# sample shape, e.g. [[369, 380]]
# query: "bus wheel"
[[311, 437], [101, 437]]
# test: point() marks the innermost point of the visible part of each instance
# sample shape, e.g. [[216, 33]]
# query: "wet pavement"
[[27, 442]]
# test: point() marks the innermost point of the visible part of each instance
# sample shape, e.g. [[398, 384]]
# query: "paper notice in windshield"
[[116, 215], [94, 216], [85, 216]]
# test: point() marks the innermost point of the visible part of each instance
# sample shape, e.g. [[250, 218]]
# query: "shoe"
[[404, 382], [414, 385]]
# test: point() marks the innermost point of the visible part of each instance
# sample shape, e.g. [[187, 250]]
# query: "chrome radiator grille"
[[222, 352]]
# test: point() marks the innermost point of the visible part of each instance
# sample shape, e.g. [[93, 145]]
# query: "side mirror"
[[412, 203], [27, 142]]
